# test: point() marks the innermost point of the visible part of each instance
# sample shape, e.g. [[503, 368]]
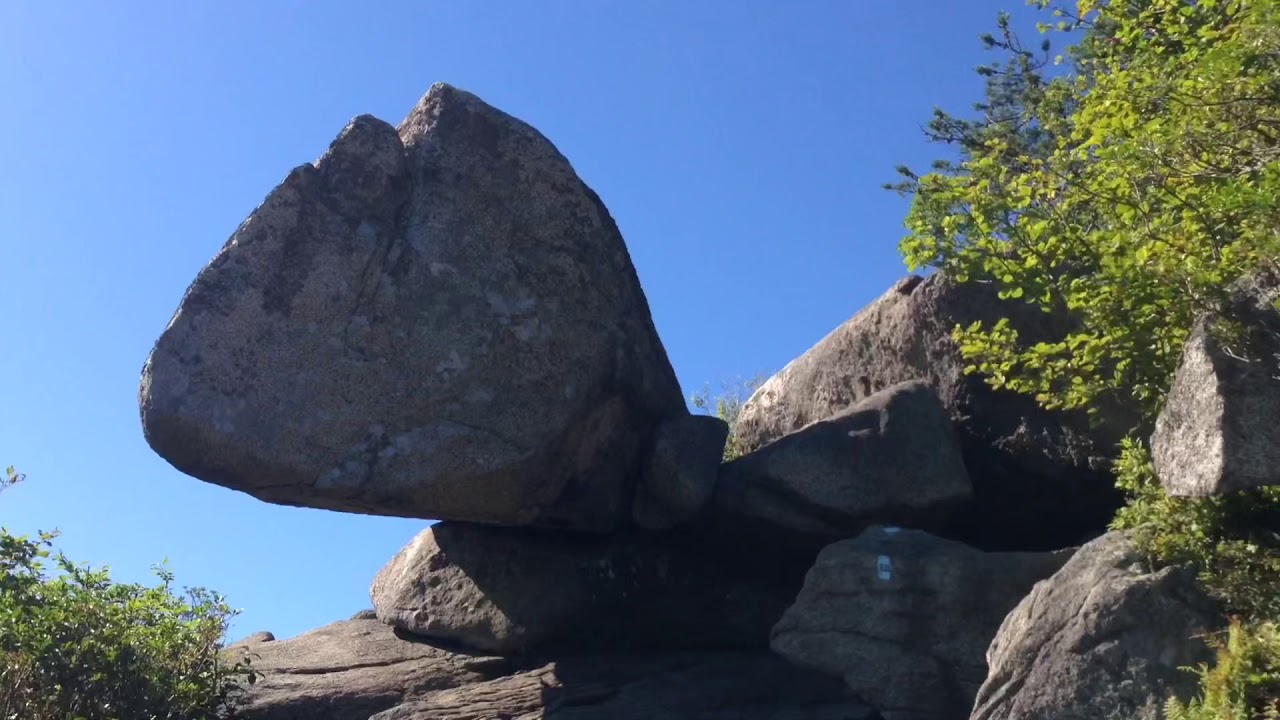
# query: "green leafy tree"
[[1131, 189], [76, 646], [1129, 180]]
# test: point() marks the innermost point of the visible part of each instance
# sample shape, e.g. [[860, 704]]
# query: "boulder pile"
[[440, 320]]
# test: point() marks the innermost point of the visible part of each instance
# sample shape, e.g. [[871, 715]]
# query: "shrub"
[[76, 646], [1229, 540], [1243, 683], [728, 406]]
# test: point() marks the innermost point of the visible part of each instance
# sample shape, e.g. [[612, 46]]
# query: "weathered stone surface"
[[508, 591], [906, 618], [892, 458], [1102, 638], [680, 475], [436, 321], [721, 686], [255, 638], [357, 668], [1219, 430], [352, 669], [1038, 479]]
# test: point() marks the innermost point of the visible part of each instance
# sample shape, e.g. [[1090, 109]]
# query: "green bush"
[[1243, 683], [76, 646], [1230, 540]]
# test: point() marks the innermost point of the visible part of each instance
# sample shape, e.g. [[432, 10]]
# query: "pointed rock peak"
[[449, 116], [365, 134], [364, 168]]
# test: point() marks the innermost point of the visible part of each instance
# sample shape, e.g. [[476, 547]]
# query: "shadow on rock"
[[519, 591]]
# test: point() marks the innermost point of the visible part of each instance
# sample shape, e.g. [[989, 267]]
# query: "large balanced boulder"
[[438, 320], [1102, 638], [356, 669], [1040, 477], [891, 458], [514, 591], [906, 618], [1219, 430]]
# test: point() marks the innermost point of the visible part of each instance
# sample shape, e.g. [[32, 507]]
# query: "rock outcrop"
[[1039, 478], [438, 320], [441, 320], [1219, 429], [906, 618], [513, 591], [254, 639], [1102, 638], [358, 669], [891, 458], [350, 670]]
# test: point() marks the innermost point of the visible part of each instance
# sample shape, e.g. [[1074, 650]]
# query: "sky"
[[740, 145]]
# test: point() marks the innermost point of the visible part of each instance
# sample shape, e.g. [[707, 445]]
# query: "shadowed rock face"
[[680, 476], [905, 618], [890, 458], [437, 321], [353, 669], [509, 590]]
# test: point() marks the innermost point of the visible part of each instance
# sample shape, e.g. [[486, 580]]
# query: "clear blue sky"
[[739, 144]]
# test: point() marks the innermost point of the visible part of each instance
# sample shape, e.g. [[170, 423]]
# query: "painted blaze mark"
[[884, 567]]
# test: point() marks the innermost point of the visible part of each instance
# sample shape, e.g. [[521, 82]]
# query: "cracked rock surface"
[[439, 320], [361, 669]]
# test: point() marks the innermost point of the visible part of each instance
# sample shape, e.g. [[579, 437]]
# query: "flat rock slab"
[[684, 687], [891, 458], [905, 618], [356, 669], [350, 670], [510, 590], [1103, 638], [1219, 430], [438, 320]]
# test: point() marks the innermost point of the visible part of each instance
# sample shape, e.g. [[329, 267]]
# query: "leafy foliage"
[[1131, 190], [76, 646], [728, 406]]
